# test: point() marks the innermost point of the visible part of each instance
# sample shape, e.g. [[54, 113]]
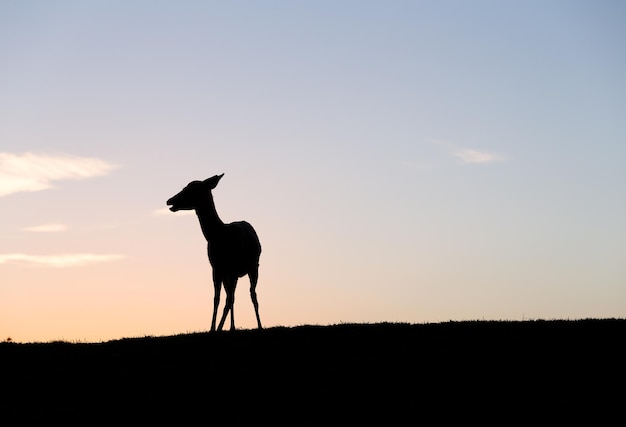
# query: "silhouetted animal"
[[234, 249]]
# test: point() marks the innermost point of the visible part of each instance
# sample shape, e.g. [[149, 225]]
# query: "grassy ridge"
[[377, 373]]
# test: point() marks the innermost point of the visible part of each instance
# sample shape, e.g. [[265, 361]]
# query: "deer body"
[[233, 249]]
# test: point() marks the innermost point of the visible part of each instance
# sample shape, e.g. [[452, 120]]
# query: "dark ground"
[[496, 373]]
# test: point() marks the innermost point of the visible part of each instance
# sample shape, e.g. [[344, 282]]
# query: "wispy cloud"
[[58, 261], [166, 211], [468, 155], [47, 228], [478, 157], [36, 172]]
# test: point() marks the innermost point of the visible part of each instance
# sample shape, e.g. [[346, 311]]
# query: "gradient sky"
[[402, 161]]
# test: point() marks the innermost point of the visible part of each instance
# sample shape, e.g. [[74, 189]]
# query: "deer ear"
[[212, 182]]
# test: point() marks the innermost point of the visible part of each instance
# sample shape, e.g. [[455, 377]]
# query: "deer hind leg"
[[229, 285], [254, 277]]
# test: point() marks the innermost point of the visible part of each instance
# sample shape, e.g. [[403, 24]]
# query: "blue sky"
[[401, 161]]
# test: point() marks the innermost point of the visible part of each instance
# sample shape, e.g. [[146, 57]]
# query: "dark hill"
[[494, 372]]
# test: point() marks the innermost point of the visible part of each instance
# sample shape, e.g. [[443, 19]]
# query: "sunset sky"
[[402, 161]]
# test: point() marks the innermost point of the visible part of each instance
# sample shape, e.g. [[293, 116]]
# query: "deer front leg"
[[217, 284], [229, 287]]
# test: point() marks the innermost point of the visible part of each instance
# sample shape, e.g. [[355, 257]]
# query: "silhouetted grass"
[[387, 373]]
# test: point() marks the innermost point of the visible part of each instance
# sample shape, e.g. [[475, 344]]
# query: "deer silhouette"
[[234, 249]]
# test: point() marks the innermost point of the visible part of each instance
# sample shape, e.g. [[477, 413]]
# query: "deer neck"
[[210, 222]]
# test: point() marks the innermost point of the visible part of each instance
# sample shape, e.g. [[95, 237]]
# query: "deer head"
[[189, 197]]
